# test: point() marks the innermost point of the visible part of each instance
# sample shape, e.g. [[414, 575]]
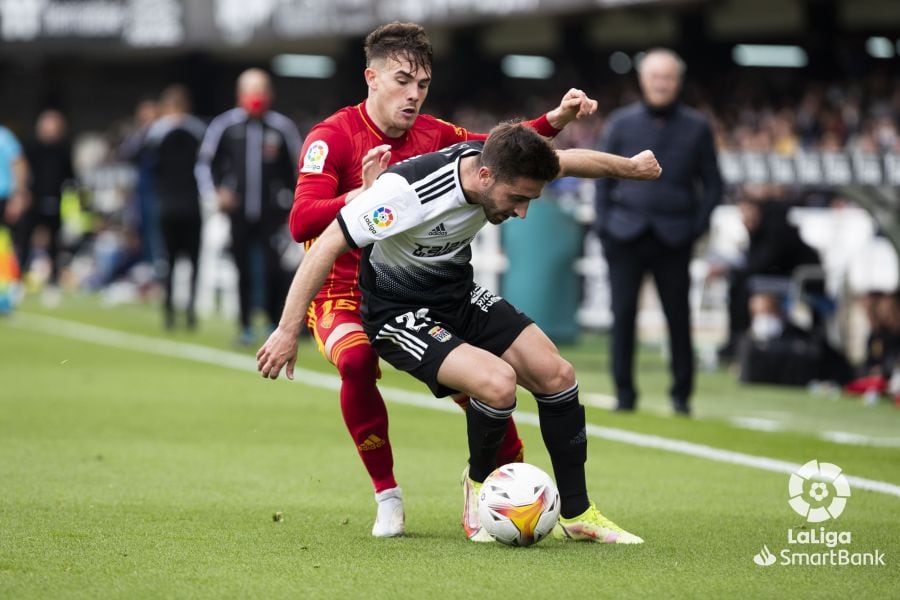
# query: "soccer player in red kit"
[[341, 157]]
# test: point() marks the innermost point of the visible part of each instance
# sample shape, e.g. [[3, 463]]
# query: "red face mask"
[[255, 104]]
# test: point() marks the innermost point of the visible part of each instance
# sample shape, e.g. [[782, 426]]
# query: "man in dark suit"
[[651, 226]]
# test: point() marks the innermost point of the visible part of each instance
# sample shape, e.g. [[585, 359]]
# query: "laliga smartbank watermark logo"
[[818, 492]]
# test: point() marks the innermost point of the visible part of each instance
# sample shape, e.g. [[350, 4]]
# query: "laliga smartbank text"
[[821, 547]]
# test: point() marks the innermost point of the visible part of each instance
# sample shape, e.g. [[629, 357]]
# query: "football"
[[519, 504]]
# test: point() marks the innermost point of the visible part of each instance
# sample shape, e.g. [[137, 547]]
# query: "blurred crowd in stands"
[[754, 112]]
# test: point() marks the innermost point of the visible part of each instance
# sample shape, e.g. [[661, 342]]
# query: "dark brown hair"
[[400, 41], [513, 150]]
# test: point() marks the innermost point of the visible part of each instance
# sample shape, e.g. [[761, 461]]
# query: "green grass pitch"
[[128, 473]]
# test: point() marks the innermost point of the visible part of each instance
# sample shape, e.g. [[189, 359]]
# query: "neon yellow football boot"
[[591, 526]]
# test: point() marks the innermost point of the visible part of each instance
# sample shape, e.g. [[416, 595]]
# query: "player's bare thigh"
[[538, 365], [479, 374]]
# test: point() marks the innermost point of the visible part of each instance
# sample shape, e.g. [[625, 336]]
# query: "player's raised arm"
[[280, 350], [592, 164], [575, 104]]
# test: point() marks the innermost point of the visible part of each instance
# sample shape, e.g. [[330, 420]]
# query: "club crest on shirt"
[[439, 333], [379, 219], [314, 159], [271, 146]]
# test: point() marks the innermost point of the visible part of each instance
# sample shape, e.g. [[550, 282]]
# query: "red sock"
[[511, 448], [363, 407]]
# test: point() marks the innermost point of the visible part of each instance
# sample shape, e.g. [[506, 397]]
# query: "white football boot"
[[390, 520]]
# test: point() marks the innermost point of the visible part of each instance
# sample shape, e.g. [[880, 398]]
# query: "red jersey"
[[331, 166]]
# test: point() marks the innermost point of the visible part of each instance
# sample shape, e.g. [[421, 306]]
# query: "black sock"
[[562, 427], [486, 427]]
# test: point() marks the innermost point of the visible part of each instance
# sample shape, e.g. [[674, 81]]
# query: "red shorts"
[[324, 316]]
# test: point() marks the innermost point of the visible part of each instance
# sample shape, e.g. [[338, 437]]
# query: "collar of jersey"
[[463, 201]]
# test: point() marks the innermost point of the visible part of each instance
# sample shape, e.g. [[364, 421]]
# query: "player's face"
[[502, 200], [660, 79], [397, 89]]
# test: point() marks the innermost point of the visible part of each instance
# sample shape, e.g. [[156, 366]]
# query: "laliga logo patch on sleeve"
[[314, 159], [379, 219]]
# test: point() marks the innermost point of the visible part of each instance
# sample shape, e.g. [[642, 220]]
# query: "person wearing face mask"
[[651, 226], [774, 252], [774, 350], [247, 162]]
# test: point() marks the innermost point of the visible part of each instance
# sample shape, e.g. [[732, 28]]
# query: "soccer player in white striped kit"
[[425, 315]]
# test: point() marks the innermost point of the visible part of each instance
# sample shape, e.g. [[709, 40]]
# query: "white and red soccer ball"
[[519, 504]]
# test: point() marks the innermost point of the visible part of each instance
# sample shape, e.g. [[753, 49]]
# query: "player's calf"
[[511, 449]]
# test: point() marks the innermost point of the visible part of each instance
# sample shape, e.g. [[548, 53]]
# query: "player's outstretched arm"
[[280, 350], [592, 164], [575, 104]]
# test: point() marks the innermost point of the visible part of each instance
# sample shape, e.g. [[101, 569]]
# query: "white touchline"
[[242, 362]]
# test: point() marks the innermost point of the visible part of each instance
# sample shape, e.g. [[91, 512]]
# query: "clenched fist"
[[645, 166]]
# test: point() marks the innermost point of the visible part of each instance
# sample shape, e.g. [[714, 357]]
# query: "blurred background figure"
[[50, 158], [144, 209], [883, 345], [173, 142], [773, 256], [651, 226], [13, 202], [14, 195], [777, 351], [248, 163], [879, 371]]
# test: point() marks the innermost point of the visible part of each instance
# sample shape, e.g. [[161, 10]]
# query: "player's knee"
[[358, 362], [499, 387], [561, 376]]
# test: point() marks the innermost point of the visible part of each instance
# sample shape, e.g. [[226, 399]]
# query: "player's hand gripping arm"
[[592, 164], [280, 350], [374, 162]]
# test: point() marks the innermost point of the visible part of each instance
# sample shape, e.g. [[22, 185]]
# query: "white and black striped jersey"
[[416, 226]]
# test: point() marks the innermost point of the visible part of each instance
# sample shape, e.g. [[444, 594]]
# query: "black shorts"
[[417, 339]]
